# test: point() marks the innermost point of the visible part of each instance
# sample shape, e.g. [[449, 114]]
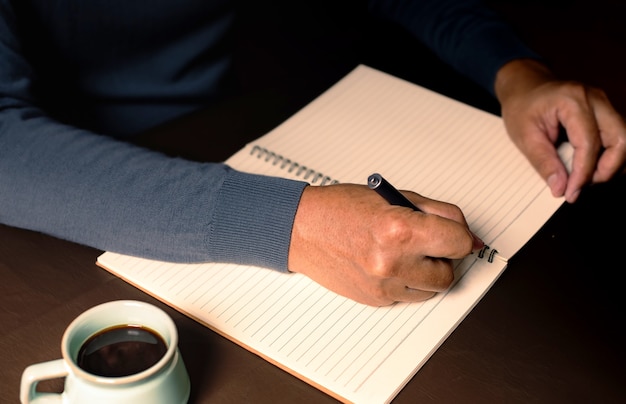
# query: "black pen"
[[389, 192]]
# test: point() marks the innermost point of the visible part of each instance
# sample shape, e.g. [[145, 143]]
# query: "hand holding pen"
[[350, 240]]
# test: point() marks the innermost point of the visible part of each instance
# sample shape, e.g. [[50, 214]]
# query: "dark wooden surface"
[[547, 332]]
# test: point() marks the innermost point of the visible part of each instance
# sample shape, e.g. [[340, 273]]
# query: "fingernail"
[[552, 183], [573, 196]]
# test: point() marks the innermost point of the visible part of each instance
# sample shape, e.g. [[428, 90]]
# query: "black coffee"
[[121, 351]]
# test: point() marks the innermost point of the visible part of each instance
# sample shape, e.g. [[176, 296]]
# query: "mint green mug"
[[119, 352]]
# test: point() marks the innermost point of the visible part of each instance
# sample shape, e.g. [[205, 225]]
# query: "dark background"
[[286, 62], [549, 331], [579, 39]]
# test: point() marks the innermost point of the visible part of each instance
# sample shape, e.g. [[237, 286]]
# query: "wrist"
[[520, 75]]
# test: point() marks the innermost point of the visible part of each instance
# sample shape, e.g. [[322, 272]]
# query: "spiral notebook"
[[419, 140]]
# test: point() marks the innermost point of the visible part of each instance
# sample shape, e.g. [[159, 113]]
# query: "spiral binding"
[[492, 253], [292, 167]]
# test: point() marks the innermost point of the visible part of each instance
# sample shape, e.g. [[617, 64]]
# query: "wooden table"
[[549, 331]]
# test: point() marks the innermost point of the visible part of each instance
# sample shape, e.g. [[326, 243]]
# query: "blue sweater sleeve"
[[463, 33], [113, 196], [106, 193]]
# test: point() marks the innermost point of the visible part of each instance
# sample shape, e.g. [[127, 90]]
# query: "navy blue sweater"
[[128, 65]]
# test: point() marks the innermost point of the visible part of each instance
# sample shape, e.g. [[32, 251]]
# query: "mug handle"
[[33, 374]]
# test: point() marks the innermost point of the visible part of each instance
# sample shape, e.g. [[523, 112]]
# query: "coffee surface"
[[121, 351]]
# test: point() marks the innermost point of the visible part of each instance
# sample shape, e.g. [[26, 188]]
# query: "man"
[[76, 77]]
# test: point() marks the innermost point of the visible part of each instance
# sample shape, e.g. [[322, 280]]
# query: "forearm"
[[114, 196]]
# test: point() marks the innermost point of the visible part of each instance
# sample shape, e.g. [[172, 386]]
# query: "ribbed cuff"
[[253, 220]]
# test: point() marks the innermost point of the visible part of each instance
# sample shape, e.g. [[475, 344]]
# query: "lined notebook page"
[[418, 140], [353, 352]]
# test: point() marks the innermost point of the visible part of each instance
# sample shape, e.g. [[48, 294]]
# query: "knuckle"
[[383, 268], [391, 235], [395, 231], [595, 92], [575, 96]]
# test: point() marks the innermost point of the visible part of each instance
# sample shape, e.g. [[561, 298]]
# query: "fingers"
[[576, 113], [439, 230], [444, 210], [413, 251], [598, 134], [594, 129], [612, 132], [544, 157], [535, 105], [434, 275], [417, 282]]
